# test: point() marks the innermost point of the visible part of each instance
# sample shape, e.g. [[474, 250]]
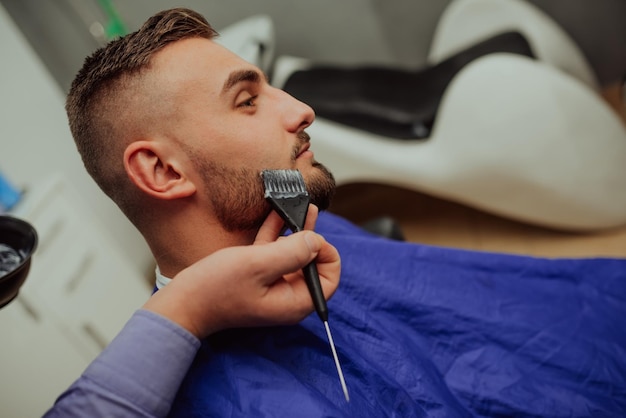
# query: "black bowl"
[[21, 238]]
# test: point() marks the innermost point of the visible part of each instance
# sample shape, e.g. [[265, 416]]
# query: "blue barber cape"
[[430, 331]]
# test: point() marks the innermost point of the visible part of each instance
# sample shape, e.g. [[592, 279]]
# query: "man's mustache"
[[303, 138]]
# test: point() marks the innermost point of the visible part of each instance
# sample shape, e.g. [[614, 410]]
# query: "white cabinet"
[[80, 291]]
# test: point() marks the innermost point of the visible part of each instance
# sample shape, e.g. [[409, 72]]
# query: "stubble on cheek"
[[239, 201]]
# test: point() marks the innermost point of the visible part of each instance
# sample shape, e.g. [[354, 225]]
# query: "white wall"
[[35, 141], [346, 31], [397, 32]]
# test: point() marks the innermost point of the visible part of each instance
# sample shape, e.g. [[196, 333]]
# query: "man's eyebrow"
[[239, 76]]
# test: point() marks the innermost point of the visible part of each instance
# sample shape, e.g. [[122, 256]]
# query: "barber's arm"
[[140, 371]]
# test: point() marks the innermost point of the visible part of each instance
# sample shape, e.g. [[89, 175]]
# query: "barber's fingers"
[[247, 286], [270, 229], [273, 225], [286, 297], [328, 264], [288, 255], [311, 217], [258, 291]]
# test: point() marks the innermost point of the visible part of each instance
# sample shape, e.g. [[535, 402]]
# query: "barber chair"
[[465, 22], [504, 118], [252, 39]]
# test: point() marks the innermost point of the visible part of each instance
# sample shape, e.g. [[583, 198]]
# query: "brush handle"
[[312, 279]]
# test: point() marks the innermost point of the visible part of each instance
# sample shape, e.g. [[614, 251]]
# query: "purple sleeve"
[[136, 375]]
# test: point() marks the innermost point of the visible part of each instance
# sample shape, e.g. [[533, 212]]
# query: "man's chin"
[[321, 186]]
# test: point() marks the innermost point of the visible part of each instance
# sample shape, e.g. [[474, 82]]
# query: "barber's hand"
[[255, 285]]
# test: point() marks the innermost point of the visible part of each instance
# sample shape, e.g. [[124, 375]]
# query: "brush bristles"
[[283, 183]]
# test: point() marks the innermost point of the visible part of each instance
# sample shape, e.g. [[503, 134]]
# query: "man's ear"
[[153, 172]]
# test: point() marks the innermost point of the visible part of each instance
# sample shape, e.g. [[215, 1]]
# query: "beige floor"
[[429, 220]]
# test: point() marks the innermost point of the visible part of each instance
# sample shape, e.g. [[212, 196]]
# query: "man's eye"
[[248, 103]]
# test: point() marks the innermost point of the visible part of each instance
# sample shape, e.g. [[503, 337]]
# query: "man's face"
[[232, 125]]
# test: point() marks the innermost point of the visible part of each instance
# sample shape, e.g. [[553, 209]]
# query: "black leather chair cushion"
[[387, 101]]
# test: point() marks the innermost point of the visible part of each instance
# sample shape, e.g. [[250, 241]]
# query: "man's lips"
[[305, 147]]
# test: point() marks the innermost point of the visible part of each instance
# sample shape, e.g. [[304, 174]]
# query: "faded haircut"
[[93, 104]]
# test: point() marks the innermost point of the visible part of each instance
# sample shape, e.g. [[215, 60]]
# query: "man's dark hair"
[[102, 92]]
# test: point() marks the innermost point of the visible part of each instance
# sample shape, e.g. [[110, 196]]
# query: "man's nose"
[[297, 115]]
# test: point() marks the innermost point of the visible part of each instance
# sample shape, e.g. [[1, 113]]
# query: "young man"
[[176, 130]]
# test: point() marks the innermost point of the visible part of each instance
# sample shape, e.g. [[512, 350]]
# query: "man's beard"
[[238, 195], [321, 186]]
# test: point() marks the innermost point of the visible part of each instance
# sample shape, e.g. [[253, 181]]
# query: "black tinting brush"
[[286, 192]]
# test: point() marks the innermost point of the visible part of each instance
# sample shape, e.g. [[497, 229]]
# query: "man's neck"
[[177, 251]]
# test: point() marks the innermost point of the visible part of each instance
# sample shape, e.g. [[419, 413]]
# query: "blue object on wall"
[[9, 195]]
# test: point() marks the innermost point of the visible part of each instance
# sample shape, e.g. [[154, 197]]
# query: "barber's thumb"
[[313, 240], [293, 252]]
